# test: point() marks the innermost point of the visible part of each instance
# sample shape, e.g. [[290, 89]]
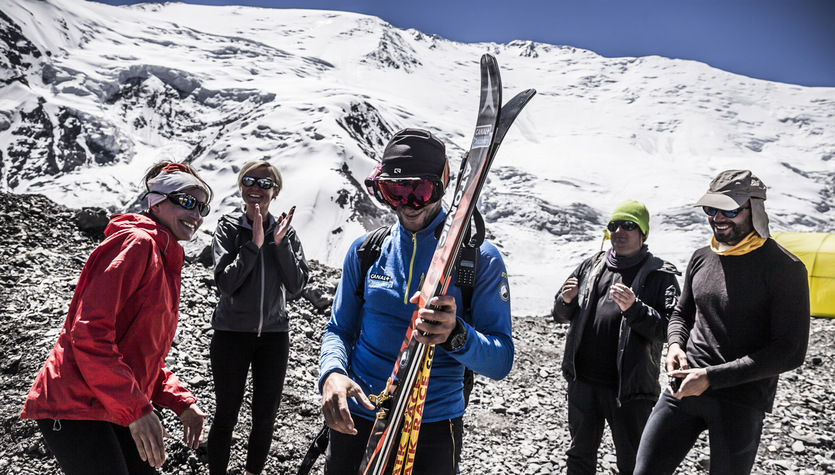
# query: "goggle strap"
[[445, 176]]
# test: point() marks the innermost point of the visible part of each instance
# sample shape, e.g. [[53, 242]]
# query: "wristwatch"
[[457, 339]]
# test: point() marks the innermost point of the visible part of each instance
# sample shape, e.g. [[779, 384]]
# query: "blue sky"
[[791, 41]]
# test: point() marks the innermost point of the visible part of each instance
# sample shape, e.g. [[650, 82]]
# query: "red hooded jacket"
[[109, 361]]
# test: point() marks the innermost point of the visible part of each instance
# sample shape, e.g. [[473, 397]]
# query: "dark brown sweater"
[[745, 319]]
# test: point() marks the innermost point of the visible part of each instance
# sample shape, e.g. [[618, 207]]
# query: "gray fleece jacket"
[[255, 283]]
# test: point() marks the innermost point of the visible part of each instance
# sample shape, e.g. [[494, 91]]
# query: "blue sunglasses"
[[728, 213], [186, 201]]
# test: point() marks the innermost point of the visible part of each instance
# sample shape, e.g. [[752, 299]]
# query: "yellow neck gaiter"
[[751, 242]]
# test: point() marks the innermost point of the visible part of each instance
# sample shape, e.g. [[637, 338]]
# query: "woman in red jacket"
[[92, 399]]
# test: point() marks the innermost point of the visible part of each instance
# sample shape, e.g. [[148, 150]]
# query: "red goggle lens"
[[416, 193]]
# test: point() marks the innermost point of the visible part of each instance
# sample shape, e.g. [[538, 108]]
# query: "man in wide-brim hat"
[[742, 319]]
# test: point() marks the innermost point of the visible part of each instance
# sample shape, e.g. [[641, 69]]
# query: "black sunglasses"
[[728, 213], [264, 183], [625, 225], [188, 202]]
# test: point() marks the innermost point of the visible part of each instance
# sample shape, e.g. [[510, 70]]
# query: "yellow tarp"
[[817, 251]]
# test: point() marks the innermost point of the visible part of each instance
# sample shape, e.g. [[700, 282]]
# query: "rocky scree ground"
[[517, 425]]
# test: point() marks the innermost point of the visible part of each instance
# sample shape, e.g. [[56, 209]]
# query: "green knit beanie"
[[634, 211]]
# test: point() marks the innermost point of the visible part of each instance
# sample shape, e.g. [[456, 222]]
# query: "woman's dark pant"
[[85, 447], [734, 434], [589, 408], [438, 449], [232, 354]]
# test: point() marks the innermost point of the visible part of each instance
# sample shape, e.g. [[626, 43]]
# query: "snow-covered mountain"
[[91, 95]]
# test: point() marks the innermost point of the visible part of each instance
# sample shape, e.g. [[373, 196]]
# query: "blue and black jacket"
[[364, 335]]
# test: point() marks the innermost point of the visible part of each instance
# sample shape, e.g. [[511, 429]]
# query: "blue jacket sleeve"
[[489, 348], [342, 331]]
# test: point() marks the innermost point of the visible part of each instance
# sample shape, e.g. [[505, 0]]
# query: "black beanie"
[[414, 153]]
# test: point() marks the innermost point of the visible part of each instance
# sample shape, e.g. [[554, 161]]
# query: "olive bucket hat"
[[731, 189]]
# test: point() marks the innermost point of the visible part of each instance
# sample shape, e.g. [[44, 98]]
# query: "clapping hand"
[[258, 227], [282, 226]]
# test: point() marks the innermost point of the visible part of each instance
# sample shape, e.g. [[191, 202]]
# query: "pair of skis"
[[403, 397]]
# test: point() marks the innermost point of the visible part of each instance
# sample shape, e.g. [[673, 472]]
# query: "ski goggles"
[[415, 192], [728, 213], [265, 183], [187, 201], [625, 225]]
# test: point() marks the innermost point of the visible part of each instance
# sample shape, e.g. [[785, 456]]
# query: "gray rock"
[[39, 266], [92, 221], [798, 447]]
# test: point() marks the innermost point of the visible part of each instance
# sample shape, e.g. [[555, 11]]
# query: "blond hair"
[[276, 175]]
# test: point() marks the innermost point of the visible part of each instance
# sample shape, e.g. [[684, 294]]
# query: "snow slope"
[[91, 95]]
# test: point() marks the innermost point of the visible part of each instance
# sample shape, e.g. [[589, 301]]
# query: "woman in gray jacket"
[[258, 261]]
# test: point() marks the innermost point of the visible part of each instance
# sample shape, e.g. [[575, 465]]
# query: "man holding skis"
[[743, 318], [363, 337], [618, 304]]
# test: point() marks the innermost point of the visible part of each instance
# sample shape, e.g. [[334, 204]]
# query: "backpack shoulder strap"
[[469, 374], [467, 297], [368, 252]]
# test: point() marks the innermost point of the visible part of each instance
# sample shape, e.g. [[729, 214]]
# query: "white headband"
[[170, 182]]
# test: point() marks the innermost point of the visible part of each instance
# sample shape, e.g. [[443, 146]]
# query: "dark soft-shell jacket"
[[108, 362], [643, 328], [254, 283]]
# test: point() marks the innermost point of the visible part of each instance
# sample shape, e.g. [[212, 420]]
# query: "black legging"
[[84, 447], [232, 353]]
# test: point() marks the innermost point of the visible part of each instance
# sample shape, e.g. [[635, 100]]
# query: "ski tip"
[[488, 60], [520, 100], [528, 94]]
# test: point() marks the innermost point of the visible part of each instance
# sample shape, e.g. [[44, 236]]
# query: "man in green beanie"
[[617, 303]]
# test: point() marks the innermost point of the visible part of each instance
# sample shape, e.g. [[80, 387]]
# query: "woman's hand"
[[258, 227], [282, 226], [147, 433], [193, 419]]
